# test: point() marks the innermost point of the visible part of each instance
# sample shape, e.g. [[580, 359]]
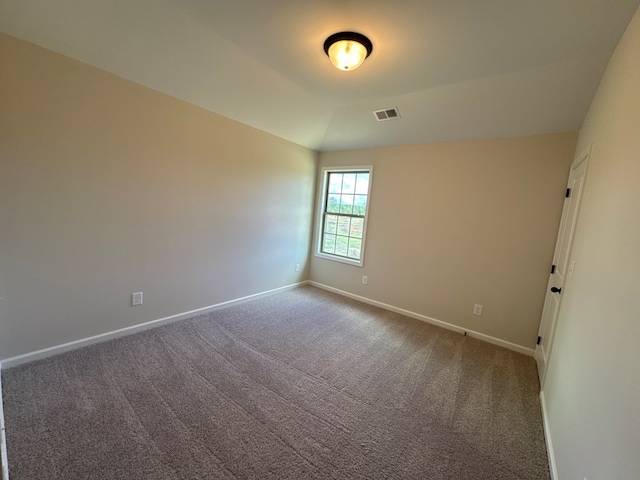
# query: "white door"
[[562, 267]]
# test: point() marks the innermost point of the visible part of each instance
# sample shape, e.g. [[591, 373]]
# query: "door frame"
[[539, 354]]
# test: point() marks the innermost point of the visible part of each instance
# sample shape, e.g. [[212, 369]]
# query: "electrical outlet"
[[136, 299], [365, 280], [297, 267], [477, 309]]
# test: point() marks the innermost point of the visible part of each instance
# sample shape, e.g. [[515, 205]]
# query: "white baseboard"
[[83, 342], [433, 321], [547, 438], [3, 438]]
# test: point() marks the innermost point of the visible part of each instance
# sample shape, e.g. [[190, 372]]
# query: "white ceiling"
[[456, 69]]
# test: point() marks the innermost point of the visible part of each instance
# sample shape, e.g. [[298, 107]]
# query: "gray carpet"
[[304, 384]]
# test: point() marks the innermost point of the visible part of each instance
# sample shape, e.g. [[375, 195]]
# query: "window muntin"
[[345, 199]]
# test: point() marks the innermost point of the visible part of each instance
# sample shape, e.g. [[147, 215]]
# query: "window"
[[343, 214]]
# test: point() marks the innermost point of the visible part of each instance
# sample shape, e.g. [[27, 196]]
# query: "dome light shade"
[[347, 50]]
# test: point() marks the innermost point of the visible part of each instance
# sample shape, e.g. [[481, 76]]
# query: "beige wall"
[[592, 389], [455, 224], [108, 188]]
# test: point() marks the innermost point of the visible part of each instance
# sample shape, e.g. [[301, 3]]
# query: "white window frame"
[[322, 199]]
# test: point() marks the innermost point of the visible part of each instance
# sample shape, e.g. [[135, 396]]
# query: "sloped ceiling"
[[456, 69]]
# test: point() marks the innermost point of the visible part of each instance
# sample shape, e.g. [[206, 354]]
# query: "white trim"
[[3, 438], [321, 199], [433, 321], [83, 342], [547, 438], [336, 258], [584, 155]]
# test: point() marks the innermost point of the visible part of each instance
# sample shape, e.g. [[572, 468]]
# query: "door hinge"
[[553, 269], [568, 194], [539, 340]]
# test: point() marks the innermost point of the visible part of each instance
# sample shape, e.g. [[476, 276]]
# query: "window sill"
[[334, 258]]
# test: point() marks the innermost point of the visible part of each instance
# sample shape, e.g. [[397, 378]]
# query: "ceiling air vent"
[[387, 114]]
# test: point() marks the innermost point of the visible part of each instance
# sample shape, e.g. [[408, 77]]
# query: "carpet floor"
[[304, 384]]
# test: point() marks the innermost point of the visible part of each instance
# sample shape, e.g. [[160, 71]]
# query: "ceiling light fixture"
[[347, 50]]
